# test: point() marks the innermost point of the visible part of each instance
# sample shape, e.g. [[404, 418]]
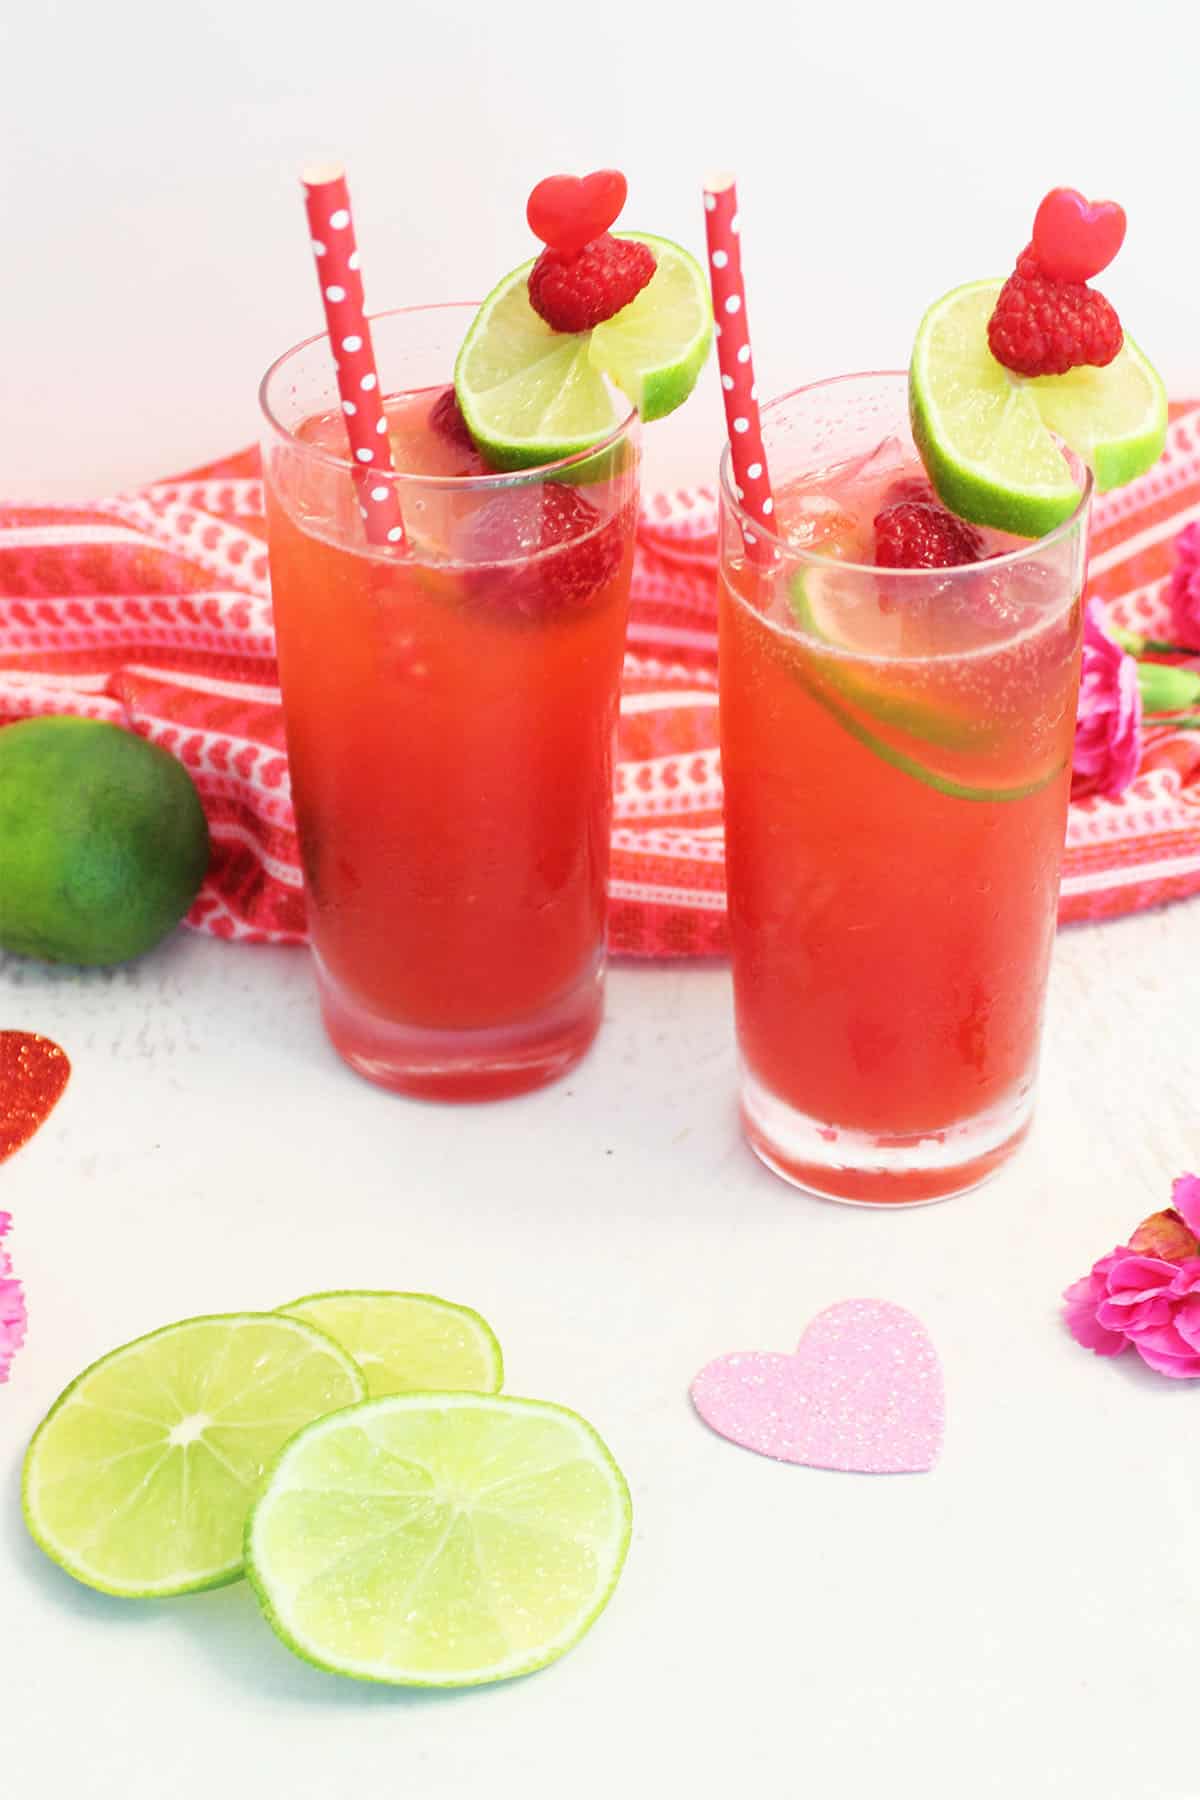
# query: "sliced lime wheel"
[[439, 1540], [403, 1342], [854, 667], [139, 1479], [854, 681], [655, 348], [529, 394], [1115, 419], [533, 395], [985, 434], [920, 771]]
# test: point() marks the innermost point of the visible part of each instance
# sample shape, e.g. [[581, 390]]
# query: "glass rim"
[[795, 553], [494, 479]]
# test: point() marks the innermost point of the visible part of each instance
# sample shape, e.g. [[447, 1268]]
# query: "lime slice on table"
[[439, 1540], [532, 395], [139, 1479], [403, 1342], [985, 434]]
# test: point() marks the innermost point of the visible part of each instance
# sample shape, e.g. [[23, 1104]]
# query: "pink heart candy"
[[1074, 238], [863, 1393]]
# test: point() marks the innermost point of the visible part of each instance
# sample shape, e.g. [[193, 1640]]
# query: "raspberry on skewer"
[[1045, 327]]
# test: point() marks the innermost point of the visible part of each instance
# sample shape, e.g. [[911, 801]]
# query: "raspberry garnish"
[[573, 293], [1045, 327], [446, 418], [557, 549], [920, 534]]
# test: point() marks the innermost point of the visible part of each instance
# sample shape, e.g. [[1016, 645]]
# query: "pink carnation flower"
[[1185, 588], [1108, 729], [12, 1307], [1149, 1301]]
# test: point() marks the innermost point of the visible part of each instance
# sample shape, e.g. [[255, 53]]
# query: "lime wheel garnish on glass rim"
[[638, 316], [1002, 374]]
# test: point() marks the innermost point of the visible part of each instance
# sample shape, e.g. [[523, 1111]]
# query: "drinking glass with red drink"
[[902, 560], [451, 498], [896, 752]]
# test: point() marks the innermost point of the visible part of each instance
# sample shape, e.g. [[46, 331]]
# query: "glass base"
[[861, 1169], [489, 1063]]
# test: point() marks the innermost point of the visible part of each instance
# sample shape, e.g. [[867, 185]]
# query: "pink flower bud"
[[1165, 1235]]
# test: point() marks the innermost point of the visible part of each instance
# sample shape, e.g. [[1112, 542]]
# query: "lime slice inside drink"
[[985, 434], [439, 1540], [866, 668], [407, 1342], [139, 1479], [533, 395], [832, 610]]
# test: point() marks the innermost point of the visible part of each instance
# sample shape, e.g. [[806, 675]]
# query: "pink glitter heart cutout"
[[863, 1393]]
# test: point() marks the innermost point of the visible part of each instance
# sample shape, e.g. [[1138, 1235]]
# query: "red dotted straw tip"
[[734, 358], [331, 225]]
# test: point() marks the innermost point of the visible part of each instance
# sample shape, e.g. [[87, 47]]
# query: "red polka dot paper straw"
[[736, 364], [332, 228]]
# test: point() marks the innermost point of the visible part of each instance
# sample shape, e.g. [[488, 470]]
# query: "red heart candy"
[[1074, 238], [568, 211]]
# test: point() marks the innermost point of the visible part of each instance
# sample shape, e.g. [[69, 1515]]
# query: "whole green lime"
[[103, 841]]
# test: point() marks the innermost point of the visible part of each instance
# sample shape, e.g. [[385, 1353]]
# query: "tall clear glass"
[[896, 749], [450, 714]]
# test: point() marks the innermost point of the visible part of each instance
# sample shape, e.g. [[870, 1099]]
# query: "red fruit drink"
[[450, 715], [896, 751]]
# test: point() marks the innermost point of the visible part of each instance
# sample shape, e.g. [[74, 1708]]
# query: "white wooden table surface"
[[1022, 1621]]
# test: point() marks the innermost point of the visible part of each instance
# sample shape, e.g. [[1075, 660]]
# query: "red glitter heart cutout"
[[33, 1073], [568, 211], [1074, 238]]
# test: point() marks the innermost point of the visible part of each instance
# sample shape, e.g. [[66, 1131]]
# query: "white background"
[[1024, 1620], [154, 251]]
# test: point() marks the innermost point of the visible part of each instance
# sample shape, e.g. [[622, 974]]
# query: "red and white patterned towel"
[[153, 610]]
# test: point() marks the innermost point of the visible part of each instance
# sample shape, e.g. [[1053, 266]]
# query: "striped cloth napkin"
[[152, 609]]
